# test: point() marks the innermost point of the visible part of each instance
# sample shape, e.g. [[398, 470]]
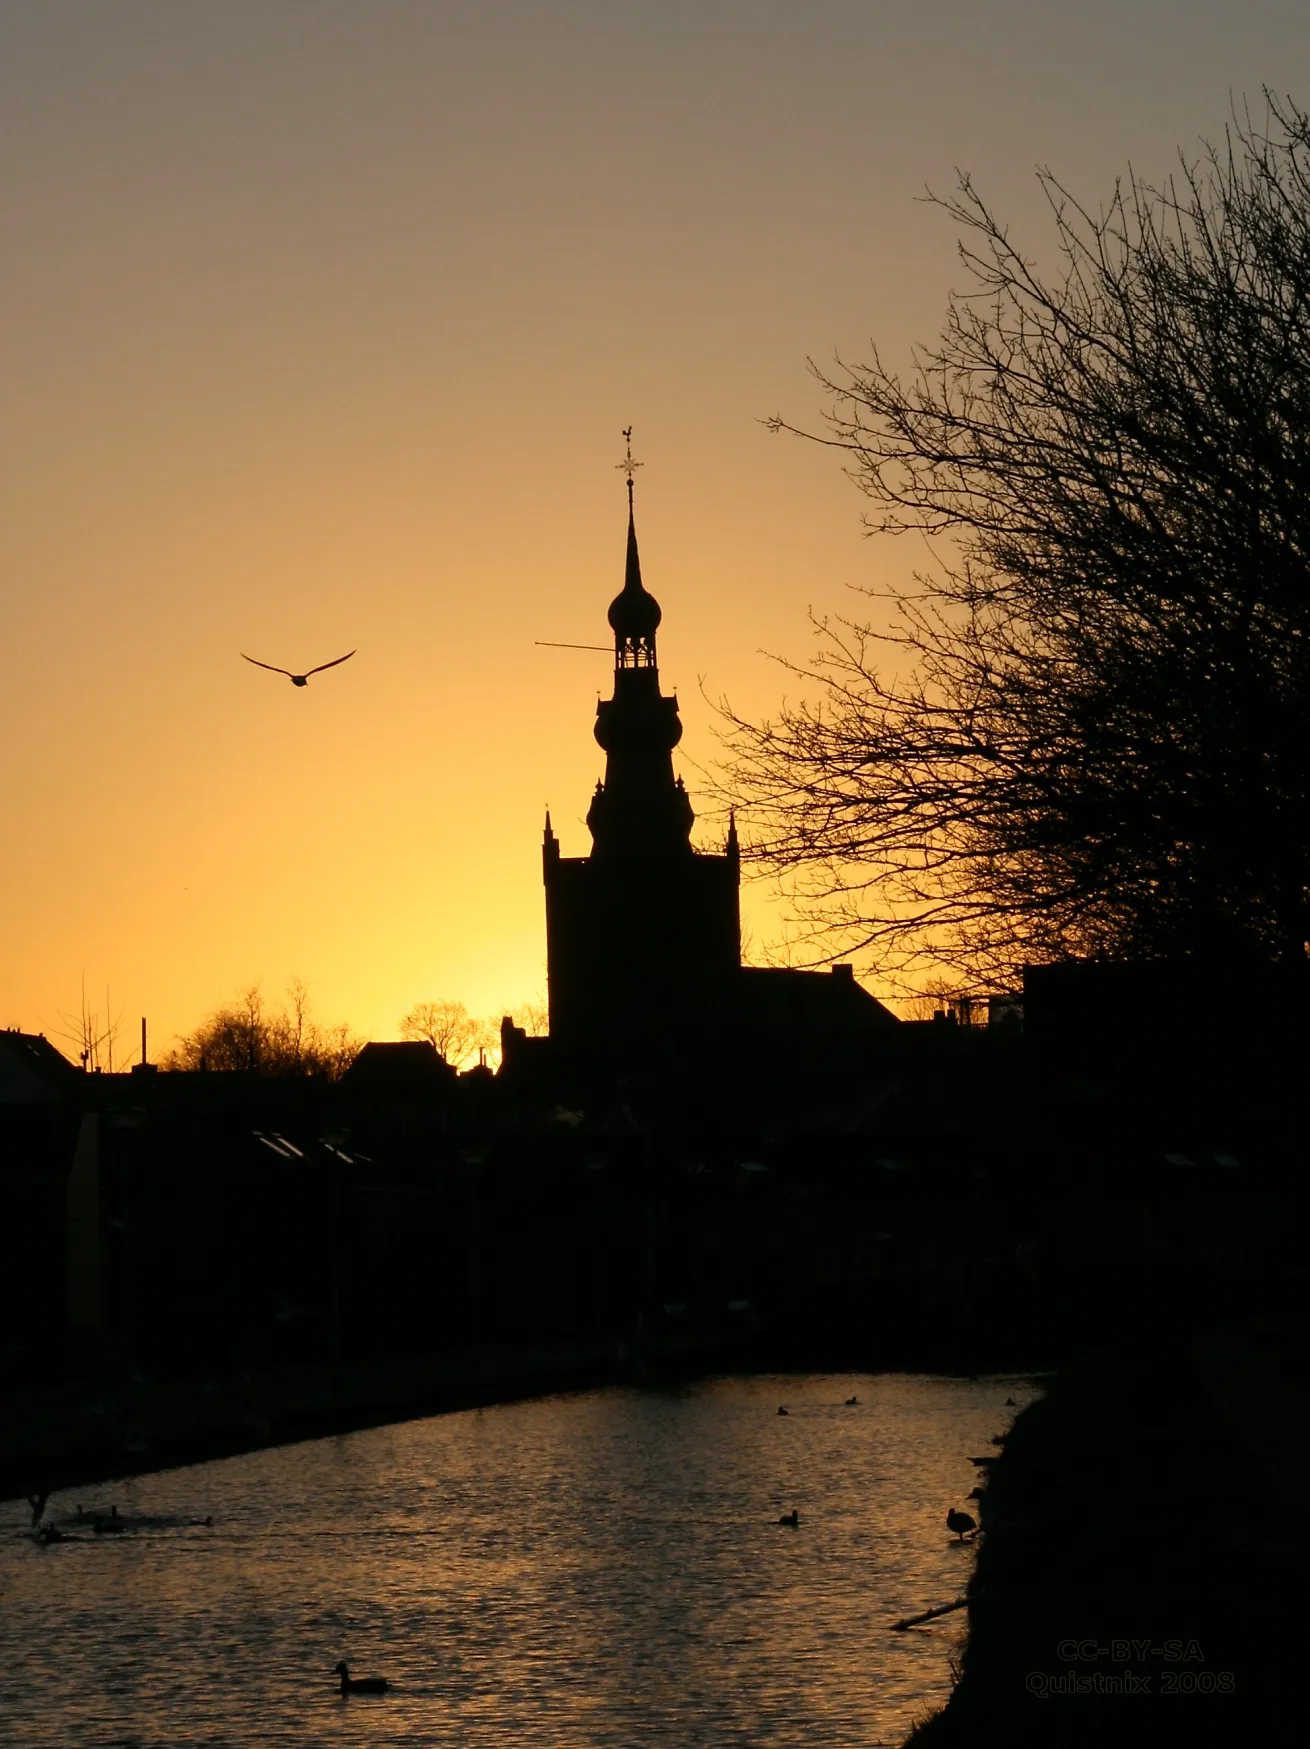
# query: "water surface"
[[603, 1568]]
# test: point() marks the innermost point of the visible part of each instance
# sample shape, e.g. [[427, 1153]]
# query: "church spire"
[[634, 614], [640, 806]]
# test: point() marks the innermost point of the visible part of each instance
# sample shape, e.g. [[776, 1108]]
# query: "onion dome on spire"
[[641, 807], [634, 614]]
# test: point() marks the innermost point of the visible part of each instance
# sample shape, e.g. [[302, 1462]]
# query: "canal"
[[601, 1568]]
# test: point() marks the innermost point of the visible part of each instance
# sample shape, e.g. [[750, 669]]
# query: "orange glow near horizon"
[[322, 324]]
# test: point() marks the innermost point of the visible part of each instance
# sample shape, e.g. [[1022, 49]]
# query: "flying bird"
[[299, 679]]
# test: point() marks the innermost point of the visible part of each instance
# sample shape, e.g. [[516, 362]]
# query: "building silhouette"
[[643, 936]]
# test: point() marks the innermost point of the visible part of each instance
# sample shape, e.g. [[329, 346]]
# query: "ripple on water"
[[591, 1569]]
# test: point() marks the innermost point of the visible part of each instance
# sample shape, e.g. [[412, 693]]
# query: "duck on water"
[[359, 1684]]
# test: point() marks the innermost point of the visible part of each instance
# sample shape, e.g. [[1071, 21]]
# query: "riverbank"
[[1140, 1580], [74, 1435], [70, 1436]]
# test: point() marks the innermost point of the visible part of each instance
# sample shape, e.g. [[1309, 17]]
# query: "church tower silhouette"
[[643, 937]]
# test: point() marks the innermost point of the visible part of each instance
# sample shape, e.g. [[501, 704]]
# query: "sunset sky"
[[320, 323]]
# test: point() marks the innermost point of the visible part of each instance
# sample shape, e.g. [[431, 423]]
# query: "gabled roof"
[[384, 1064], [787, 1001], [32, 1071]]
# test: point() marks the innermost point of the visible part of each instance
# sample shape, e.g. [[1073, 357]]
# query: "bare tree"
[[534, 1017], [245, 1035], [335, 1049], [297, 1029], [1099, 737], [449, 1027], [92, 1037]]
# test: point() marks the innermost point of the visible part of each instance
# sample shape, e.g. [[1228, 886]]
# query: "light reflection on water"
[[604, 1568]]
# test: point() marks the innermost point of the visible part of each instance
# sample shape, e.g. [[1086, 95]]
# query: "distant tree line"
[[1087, 728], [247, 1034]]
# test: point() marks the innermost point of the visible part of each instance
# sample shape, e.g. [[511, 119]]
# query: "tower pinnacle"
[[627, 466], [640, 806], [634, 614]]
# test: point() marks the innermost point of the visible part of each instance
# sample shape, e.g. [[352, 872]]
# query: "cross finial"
[[627, 466]]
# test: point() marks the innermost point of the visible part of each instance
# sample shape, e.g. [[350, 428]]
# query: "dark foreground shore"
[[1141, 1580]]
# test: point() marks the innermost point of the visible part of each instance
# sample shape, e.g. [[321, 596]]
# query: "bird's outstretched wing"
[[333, 664], [269, 666]]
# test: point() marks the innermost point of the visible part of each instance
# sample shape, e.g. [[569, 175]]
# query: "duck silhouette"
[[792, 1518], [359, 1684], [960, 1523], [299, 679], [783, 1411], [850, 1402]]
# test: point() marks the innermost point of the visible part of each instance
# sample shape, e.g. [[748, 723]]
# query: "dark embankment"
[[1141, 1580], [66, 1436]]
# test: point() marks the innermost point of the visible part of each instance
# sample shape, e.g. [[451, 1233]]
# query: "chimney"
[[143, 1067]]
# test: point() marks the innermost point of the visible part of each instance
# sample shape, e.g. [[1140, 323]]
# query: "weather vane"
[[627, 466]]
